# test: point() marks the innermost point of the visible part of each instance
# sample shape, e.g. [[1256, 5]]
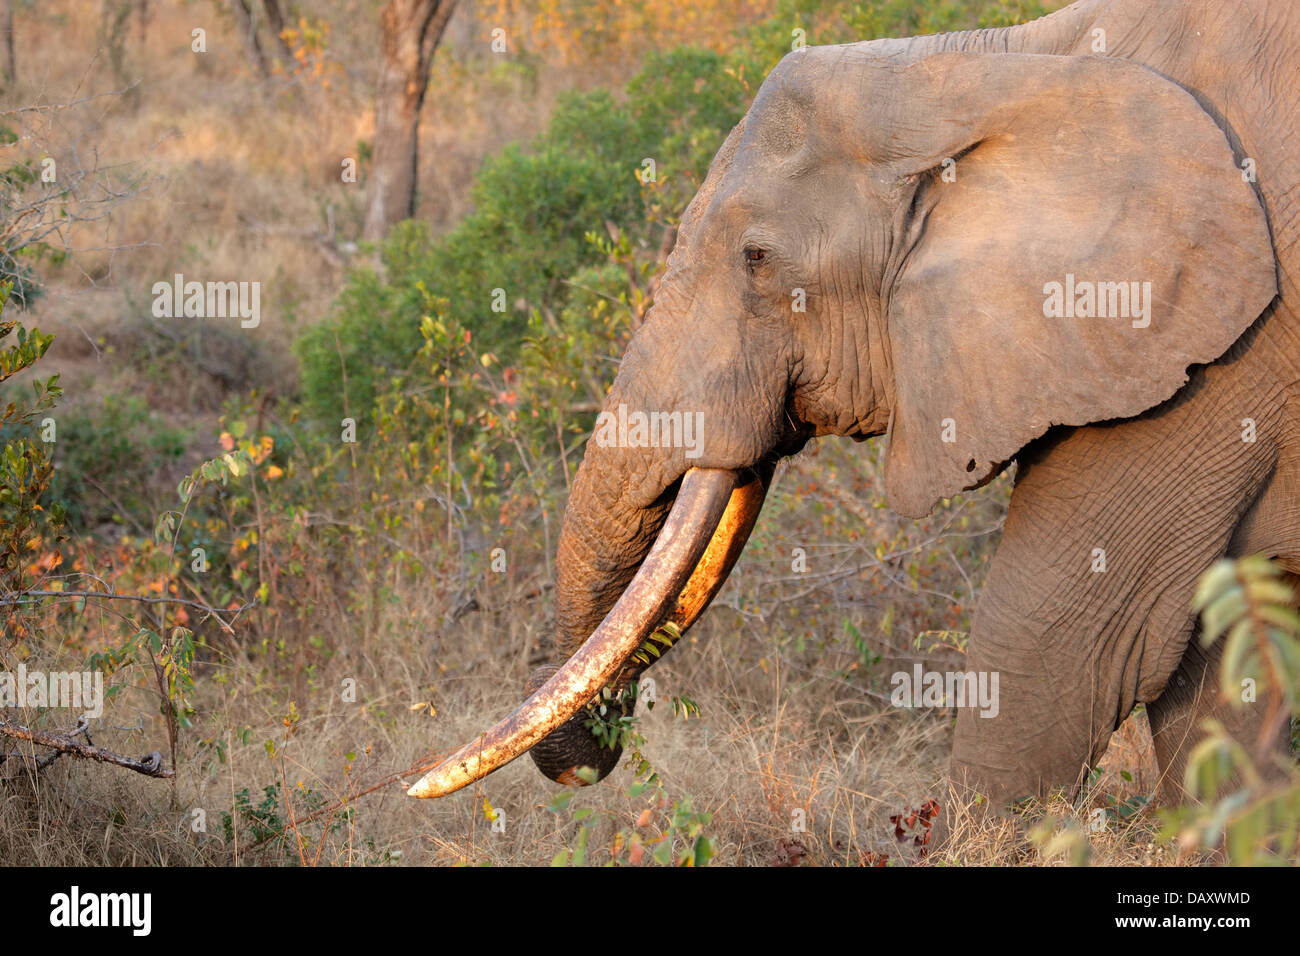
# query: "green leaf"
[[580, 851], [703, 851], [663, 855]]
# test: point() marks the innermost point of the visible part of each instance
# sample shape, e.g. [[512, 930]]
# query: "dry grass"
[[848, 766], [796, 756]]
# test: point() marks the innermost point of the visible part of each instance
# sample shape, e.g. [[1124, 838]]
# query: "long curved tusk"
[[724, 548], [686, 535]]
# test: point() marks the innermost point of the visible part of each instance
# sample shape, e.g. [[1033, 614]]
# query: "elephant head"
[[955, 250]]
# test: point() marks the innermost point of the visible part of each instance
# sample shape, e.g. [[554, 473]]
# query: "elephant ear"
[[1032, 180]]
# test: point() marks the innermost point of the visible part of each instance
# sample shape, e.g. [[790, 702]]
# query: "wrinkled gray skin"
[[925, 304]]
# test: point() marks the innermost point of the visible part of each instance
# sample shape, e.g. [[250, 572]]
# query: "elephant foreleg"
[[1271, 527], [1087, 607], [1191, 697]]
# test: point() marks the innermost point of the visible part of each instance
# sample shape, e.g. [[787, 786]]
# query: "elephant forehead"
[[764, 184], [778, 123]]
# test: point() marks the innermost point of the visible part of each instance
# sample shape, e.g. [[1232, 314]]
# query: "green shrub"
[[529, 234], [107, 459], [1247, 795], [25, 466]]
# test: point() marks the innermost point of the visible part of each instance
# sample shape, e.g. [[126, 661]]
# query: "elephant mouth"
[[703, 536]]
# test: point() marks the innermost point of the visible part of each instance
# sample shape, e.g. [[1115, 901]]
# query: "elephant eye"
[[754, 254]]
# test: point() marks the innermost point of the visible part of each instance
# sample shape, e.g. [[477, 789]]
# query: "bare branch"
[[20, 598], [55, 188], [150, 764], [71, 104]]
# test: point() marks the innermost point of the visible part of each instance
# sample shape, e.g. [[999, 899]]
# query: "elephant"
[[1071, 245]]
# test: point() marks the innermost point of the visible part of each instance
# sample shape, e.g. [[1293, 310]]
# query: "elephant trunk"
[[685, 564], [605, 539], [590, 580]]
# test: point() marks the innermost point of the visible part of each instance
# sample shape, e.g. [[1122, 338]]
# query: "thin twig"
[[346, 801], [21, 597], [58, 107]]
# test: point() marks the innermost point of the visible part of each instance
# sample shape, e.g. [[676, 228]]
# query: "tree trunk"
[[9, 68], [275, 17], [247, 28], [411, 30]]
